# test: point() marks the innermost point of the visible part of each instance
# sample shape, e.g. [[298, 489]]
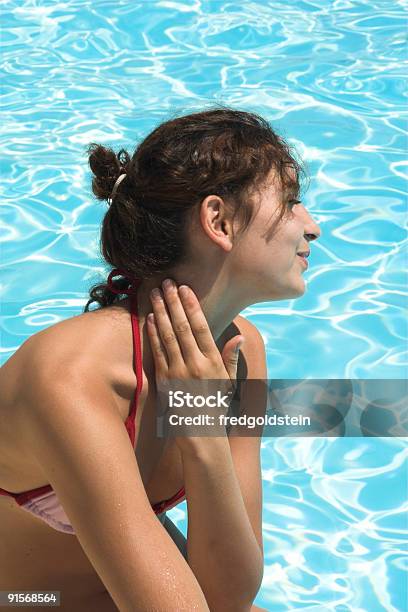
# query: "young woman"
[[208, 201]]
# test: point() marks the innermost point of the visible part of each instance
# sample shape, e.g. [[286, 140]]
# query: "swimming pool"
[[329, 75]]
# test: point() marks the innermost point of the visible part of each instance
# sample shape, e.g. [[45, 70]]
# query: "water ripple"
[[331, 77]]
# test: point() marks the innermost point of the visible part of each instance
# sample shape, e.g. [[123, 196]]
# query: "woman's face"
[[267, 261]]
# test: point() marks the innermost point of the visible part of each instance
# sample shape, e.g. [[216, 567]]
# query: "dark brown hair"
[[219, 151]]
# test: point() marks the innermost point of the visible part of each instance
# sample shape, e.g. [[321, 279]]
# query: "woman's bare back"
[[35, 556]]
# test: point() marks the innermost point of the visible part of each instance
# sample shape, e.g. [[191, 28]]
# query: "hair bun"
[[107, 167]]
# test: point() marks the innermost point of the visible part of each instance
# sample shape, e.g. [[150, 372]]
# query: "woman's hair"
[[220, 151]]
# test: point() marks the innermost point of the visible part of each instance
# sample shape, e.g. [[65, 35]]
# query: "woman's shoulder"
[[252, 357], [246, 326], [102, 321], [88, 337], [241, 325], [92, 350], [90, 344]]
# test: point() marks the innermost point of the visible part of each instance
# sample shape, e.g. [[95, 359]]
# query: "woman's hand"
[[182, 344]]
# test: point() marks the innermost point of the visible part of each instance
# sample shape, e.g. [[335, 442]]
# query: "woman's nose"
[[312, 229]]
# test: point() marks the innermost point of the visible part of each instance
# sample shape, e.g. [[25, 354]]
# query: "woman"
[[208, 201]]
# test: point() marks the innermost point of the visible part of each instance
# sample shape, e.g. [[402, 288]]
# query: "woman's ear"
[[216, 221]]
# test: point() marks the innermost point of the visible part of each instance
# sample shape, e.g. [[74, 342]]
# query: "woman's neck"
[[219, 302]]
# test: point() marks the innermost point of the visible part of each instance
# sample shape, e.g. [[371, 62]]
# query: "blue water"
[[331, 77]]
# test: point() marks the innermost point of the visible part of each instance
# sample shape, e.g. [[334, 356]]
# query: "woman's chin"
[[289, 294], [301, 290], [295, 291], [276, 292]]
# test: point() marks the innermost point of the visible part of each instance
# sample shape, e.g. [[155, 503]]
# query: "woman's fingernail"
[[183, 290], [168, 283], [155, 293]]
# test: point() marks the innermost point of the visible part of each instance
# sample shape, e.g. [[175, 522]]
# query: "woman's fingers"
[[180, 322], [185, 331], [165, 328], [197, 320], [159, 355]]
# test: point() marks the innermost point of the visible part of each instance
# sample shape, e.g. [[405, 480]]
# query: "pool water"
[[329, 75]]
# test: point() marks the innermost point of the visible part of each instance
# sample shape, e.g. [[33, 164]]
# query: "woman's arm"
[[222, 549], [224, 498], [224, 533], [72, 428]]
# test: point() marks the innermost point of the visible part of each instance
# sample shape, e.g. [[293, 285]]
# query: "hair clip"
[[115, 187]]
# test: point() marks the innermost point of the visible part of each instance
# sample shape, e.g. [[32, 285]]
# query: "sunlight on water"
[[330, 77]]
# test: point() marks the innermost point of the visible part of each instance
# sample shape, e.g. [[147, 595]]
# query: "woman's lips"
[[304, 261]]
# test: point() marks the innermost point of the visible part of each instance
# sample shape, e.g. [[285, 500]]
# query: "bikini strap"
[[137, 347], [137, 366]]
